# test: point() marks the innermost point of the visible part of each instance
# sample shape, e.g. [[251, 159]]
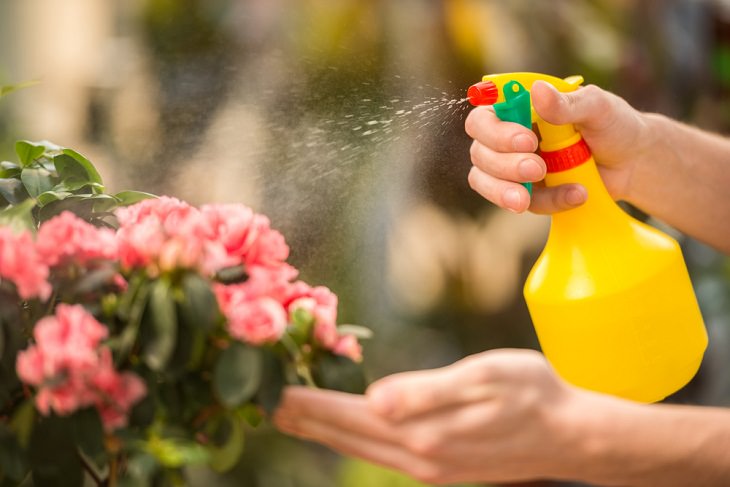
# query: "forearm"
[[684, 180], [628, 444]]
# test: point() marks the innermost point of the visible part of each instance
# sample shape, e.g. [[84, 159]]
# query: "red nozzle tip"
[[483, 93]]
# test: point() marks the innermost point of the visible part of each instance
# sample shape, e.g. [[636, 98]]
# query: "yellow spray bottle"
[[610, 297]]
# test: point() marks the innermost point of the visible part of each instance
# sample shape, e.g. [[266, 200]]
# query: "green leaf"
[[9, 170], [82, 205], [251, 414], [13, 459], [88, 432], [339, 373], [28, 151], [232, 275], [131, 308], [187, 337], [161, 318], [19, 217], [103, 202], [302, 324], [143, 413], [237, 374], [175, 453], [71, 168], [358, 331], [197, 350], [53, 454], [131, 197], [199, 306], [272, 382], [82, 163], [302, 318], [225, 456], [74, 185], [36, 181], [22, 422], [50, 196], [95, 279], [15, 338], [13, 191]]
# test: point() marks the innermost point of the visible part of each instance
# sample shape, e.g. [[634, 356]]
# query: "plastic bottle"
[[610, 297]]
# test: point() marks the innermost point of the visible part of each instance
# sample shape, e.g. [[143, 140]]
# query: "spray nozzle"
[[483, 93], [509, 94]]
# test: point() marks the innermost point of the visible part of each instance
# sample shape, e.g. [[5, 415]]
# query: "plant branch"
[[90, 469]]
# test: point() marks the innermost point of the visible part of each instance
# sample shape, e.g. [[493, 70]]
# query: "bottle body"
[[611, 299]]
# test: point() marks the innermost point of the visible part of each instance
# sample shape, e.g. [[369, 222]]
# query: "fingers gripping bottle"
[[610, 297]]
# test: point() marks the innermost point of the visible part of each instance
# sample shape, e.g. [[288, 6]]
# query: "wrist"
[[650, 151], [590, 426]]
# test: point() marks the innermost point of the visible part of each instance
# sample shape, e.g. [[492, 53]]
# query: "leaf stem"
[[90, 469], [300, 361]]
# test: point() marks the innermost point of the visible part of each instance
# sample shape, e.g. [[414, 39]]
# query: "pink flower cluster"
[[21, 265], [64, 239], [259, 310], [71, 370], [67, 238], [321, 304], [166, 233]]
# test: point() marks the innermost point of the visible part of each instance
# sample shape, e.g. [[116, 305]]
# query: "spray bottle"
[[610, 297]]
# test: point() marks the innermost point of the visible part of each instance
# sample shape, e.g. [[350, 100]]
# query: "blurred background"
[[342, 120]]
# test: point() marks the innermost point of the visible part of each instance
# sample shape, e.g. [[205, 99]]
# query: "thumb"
[[589, 106]]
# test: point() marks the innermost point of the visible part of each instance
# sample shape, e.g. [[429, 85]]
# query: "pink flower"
[[261, 282], [164, 234], [160, 209], [29, 365], [321, 303], [71, 370], [139, 243], [246, 236], [65, 397], [67, 237], [116, 393], [348, 346], [21, 265], [230, 224], [254, 320], [67, 340], [257, 322], [325, 333]]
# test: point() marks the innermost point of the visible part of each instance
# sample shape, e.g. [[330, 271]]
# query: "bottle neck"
[[598, 215]]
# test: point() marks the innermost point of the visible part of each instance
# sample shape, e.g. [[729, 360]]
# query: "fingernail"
[[511, 200], [530, 170], [574, 197], [523, 143]]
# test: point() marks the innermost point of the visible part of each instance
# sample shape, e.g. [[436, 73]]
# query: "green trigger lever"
[[516, 109]]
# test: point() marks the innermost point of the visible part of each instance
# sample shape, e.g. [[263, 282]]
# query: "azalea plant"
[[138, 335]]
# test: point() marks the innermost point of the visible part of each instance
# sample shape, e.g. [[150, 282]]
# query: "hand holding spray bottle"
[[610, 297]]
